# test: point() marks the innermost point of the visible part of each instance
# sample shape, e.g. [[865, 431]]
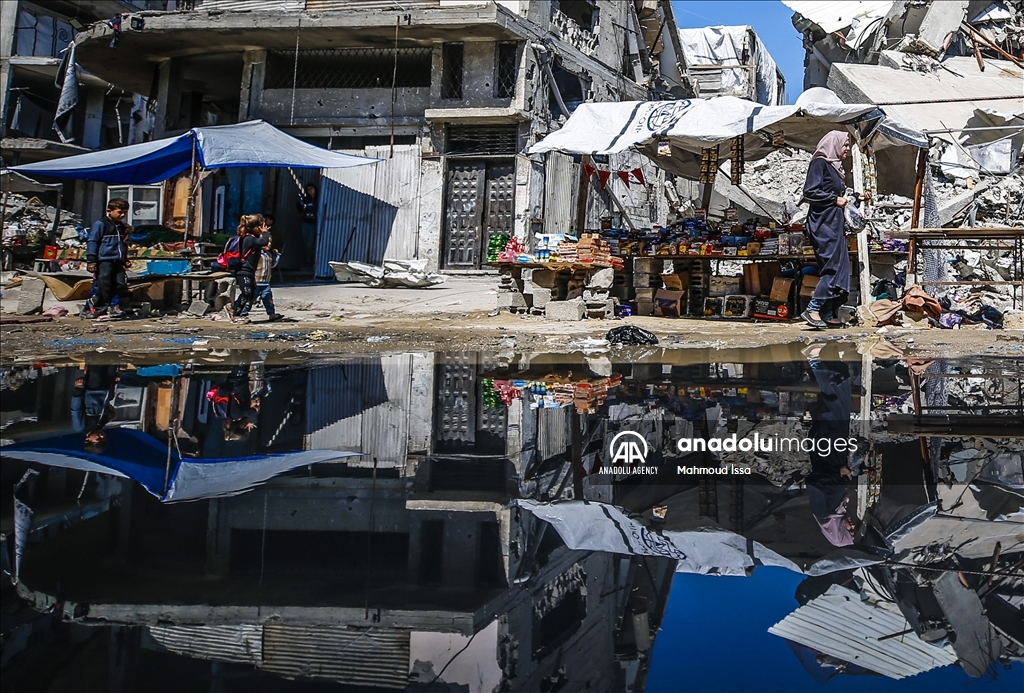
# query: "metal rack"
[[998, 239]]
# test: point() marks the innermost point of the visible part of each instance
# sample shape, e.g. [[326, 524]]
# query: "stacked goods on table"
[[555, 391], [496, 242], [590, 250]]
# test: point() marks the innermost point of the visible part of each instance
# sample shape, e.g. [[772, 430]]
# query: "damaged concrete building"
[[34, 38], [446, 93]]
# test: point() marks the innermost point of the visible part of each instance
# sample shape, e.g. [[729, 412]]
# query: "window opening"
[[506, 65], [451, 71], [582, 12], [144, 203], [479, 140], [349, 68]]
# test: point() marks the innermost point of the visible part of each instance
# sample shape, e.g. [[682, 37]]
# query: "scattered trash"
[[631, 335], [55, 311], [318, 335], [377, 338]]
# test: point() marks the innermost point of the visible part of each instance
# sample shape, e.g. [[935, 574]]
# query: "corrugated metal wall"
[[368, 213], [553, 435], [252, 5], [561, 189], [379, 430], [377, 658], [241, 643]]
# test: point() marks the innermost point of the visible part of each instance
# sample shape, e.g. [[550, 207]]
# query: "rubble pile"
[[32, 220]]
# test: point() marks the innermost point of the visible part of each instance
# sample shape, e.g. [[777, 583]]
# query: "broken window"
[[506, 63], [571, 89], [349, 68], [555, 627], [480, 140], [451, 71], [582, 12]]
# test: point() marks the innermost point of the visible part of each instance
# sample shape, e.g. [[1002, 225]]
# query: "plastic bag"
[[855, 221], [631, 335]]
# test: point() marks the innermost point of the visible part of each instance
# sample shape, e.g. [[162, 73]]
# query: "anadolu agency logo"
[[628, 452]]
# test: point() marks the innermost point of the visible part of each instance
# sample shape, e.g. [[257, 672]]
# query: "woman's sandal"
[[816, 323]]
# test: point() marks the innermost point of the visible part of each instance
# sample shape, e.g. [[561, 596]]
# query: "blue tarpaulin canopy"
[[254, 143], [142, 458]]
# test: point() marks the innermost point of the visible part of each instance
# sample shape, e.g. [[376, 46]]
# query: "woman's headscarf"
[[834, 525], [830, 148]]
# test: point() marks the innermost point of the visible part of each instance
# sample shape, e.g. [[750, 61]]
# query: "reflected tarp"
[[144, 459], [693, 124], [254, 143], [588, 526]]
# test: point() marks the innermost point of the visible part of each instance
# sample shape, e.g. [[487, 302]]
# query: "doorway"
[[479, 204]]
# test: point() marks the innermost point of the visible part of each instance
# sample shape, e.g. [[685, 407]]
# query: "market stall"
[[677, 270], [250, 144]]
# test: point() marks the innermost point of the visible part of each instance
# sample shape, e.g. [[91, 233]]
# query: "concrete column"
[[8, 20], [218, 538], [94, 102], [461, 544], [254, 70], [168, 97]]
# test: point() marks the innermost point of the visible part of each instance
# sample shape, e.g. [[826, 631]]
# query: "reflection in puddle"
[[457, 521]]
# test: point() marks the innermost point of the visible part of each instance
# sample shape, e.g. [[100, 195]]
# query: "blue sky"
[[770, 19], [714, 638]]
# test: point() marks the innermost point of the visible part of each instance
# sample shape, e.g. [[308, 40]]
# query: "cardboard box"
[[738, 306], [807, 285], [769, 309], [724, 286], [668, 303], [676, 282], [713, 307], [781, 289], [753, 248], [758, 277]]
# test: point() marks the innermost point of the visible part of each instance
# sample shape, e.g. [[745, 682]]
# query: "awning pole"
[[194, 180]]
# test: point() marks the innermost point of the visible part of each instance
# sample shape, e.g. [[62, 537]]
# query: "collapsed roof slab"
[[182, 34], [912, 97]]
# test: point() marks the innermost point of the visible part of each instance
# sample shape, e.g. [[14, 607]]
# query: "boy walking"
[[106, 255]]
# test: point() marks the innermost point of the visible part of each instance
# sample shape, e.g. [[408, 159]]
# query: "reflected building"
[[387, 530]]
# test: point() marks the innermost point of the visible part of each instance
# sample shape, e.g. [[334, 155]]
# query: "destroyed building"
[[34, 38], [732, 61], [446, 93]]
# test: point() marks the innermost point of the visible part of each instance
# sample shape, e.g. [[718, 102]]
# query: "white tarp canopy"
[[726, 46], [693, 124]]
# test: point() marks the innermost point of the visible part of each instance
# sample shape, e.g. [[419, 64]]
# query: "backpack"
[[231, 258]]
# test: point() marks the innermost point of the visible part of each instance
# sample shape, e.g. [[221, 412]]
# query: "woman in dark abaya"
[[824, 190]]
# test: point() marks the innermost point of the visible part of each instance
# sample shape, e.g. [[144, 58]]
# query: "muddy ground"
[[458, 315]]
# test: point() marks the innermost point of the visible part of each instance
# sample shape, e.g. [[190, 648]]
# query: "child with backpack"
[[242, 256]]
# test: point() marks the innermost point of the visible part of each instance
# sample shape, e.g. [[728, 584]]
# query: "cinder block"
[[645, 281], [30, 300], [645, 307], [647, 265], [544, 278], [592, 295], [601, 279], [511, 299], [570, 310], [199, 308], [645, 294], [541, 297]]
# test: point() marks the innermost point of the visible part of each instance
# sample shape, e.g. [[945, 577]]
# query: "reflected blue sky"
[[715, 637]]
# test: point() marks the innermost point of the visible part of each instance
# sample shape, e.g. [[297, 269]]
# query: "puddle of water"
[[464, 521]]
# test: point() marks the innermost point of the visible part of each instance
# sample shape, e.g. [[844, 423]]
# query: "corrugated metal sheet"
[[342, 417], [251, 5], [376, 658], [370, 5], [561, 187], [839, 624], [369, 213], [835, 15], [553, 436], [242, 643]]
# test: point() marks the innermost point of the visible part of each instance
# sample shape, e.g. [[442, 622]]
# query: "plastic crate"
[[167, 266]]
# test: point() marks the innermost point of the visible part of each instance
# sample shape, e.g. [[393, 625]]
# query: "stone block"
[[199, 308], [645, 308], [644, 294], [541, 297], [508, 300], [570, 310], [30, 300], [598, 295], [601, 279], [602, 311]]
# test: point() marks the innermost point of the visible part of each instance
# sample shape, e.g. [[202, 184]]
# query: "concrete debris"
[[392, 274], [33, 220]]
